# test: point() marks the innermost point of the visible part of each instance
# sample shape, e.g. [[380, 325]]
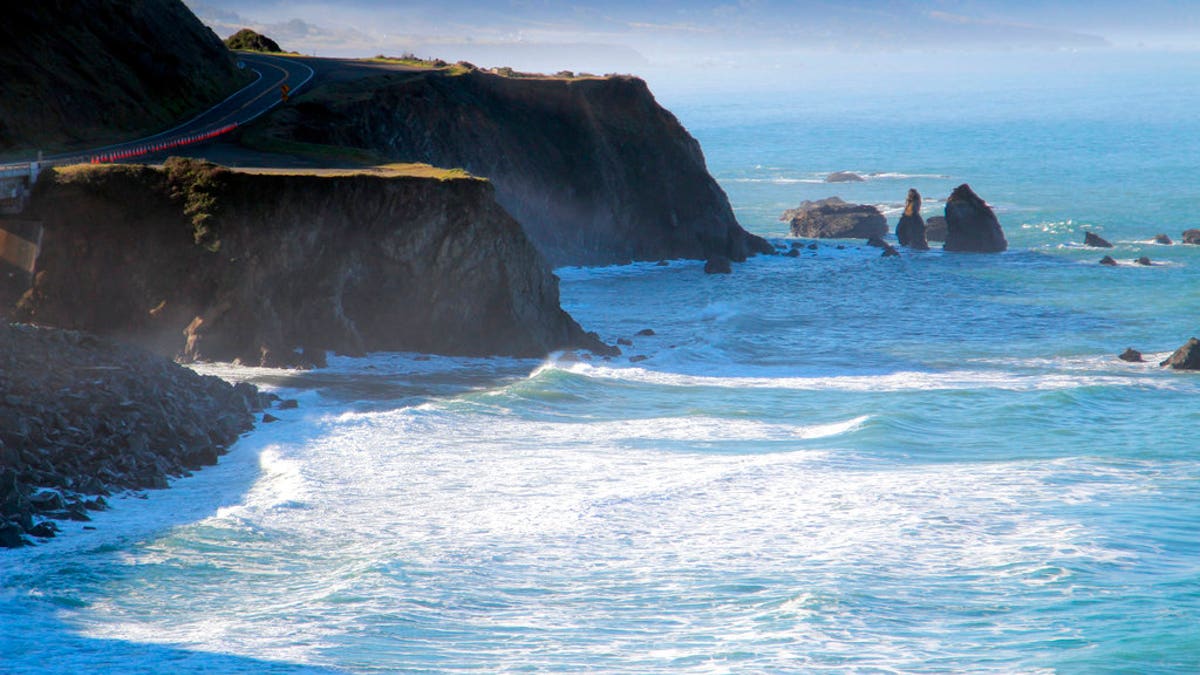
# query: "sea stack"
[[971, 225], [833, 218], [1186, 357], [911, 228]]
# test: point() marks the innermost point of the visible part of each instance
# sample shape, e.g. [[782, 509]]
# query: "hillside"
[[88, 71]]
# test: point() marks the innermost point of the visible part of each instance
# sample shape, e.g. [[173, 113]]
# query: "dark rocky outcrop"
[[594, 169], [889, 251], [833, 218], [718, 264], [1191, 237], [971, 225], [1186, 357], [844, 177], [82, 417], [81, 71], [1163, 239], [935, 228], [1144, 260], [1131, 355], [1095, 240], [205, 263], [252, 41], [878, 242], [1108, 261], [910, 231]]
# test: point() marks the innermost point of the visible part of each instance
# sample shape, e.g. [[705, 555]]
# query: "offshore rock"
[[594, 169], [1191, 237], [1108, 261], [718, 264], [1145, 260], [1162, 239], [1095, 240], [286, 266], [844, 177], [971, 225], [1186, 357], [935, 228], [833, 218], [1131, 355], [910, 231]]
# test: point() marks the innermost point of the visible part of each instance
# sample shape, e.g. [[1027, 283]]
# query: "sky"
[[722, 38]]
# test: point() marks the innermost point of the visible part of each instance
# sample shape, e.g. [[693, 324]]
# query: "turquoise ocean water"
[[832, 463]]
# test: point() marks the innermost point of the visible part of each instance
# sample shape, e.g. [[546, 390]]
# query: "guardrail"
[[160, 146]]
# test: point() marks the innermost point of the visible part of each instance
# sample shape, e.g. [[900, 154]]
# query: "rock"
[[718, 264], [910, 231], [877, 242], [971, 225], [44, 530], [637, 359], [645, 332], [889, 251], [1144, 261], [844, 177], [812, 246], [267, 418], [1191, 237], [662, 263], [10, 534], [1163, 239], [792, 253], [1108, 261], [289, 404], [1131, 355], [1186, 357], [625, 342], [1095, 240], [833, 218], [935, 228]]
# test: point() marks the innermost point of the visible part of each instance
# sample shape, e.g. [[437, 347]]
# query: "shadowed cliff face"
[[210, 264], [594, 169]]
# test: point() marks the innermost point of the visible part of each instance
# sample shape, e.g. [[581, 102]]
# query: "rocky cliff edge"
[[274, 268]]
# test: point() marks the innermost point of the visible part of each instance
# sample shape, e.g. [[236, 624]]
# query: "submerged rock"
[[844, 177], [1191, 237], [889, 251], [1186, 357], [1163, 239], [971, 225], [834, 218], [910, 231], [1131, 355], [1095, 240], [1108, 261], [935, 228], [718, 264], [645, 332]]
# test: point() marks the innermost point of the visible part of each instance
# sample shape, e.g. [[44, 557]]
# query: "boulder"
[[1163, 239], [1108, 261], [645, 332], [833, 218], [878, 242], [1191, 237], [1131, 355], [844, 177], [935, 228], [889, 251], [1144, 261], [911, 228], [1095, 240], [793, 253], [1186, 357], [971, 225], [625, 342], [718, 264]]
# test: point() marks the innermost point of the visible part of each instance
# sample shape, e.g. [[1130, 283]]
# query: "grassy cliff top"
[[84, 172]]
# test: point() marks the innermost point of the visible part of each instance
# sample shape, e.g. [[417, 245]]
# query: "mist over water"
[[831, 463]]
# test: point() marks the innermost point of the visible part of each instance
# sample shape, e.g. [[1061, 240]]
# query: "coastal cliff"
[[200, 262], [595, 169]]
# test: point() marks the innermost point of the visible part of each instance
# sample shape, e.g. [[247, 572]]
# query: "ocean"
[[832, 463]]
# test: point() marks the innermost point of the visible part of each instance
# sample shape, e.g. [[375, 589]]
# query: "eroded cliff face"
[[204, 263], [594, 169]]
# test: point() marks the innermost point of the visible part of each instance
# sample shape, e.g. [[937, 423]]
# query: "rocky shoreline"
[[83, 417]]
